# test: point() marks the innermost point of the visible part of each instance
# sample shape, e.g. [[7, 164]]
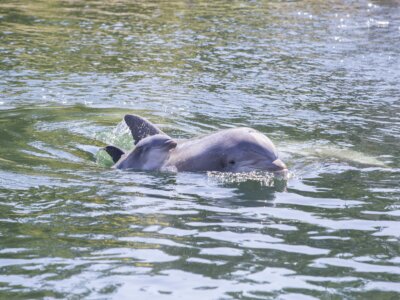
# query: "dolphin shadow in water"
[[231, 150]]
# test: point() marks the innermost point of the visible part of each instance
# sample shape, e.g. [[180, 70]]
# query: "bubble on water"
[[264, 178]]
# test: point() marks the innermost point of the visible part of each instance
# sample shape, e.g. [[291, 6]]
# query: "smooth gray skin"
[[150, 153], [231, 150]]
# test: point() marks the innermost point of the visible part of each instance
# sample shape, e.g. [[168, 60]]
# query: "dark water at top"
[[320, 78]]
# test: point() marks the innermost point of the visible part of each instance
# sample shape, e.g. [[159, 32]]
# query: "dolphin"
[[240, 149]]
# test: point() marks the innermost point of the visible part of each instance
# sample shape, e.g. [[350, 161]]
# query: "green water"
[[320, 78]]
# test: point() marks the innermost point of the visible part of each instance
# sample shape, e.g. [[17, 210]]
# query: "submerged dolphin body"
[[231, 150]]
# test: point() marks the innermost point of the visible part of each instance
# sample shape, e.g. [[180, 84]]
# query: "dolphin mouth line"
[[279, 164]]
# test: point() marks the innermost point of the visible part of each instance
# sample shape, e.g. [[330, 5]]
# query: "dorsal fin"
[[140, 127], [114, 152]]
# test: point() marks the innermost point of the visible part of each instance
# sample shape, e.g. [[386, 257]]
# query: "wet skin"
[[231, 150]]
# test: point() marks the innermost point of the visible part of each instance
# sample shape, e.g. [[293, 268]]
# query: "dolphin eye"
[[231, 162]]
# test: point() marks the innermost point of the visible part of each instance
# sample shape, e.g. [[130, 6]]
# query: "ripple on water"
[[319, 78]]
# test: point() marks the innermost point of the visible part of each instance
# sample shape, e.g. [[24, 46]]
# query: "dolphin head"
[[253, 151], [150, 153]]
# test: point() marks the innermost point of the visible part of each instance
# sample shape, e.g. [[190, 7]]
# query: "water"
[[320, 78]]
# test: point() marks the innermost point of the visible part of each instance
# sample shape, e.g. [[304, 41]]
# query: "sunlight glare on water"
[[319, 78]]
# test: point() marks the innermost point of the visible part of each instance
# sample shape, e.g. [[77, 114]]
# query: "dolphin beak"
[[278, 165]]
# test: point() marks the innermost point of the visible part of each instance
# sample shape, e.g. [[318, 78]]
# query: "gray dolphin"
[[231, 150]]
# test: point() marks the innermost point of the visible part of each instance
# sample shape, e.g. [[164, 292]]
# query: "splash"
[[264, 178], [120, 137]]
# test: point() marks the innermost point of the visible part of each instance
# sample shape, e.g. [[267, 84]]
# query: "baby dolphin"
[[231, 150]]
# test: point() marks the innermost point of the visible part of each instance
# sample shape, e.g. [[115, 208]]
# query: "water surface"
[[320, 78]]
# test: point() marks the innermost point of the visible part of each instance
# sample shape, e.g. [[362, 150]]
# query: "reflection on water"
[[319, 78]]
